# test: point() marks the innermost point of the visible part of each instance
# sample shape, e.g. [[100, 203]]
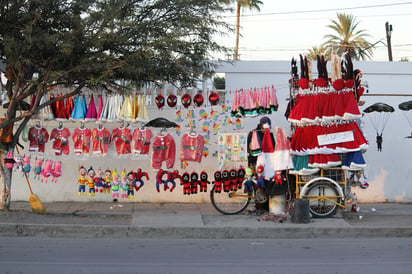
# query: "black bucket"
[[300, 211]]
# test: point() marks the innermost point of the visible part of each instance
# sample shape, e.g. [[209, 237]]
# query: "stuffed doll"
[[226, 181], [186, 183], [124, 184], [194, 182], [115, 184], [82, 180], [203, 181], [171, 177], [90, 181], [233, 179], [278, 178], [241, 177], [98, 180], [261, 179], [131, 184], [38, 163], [26, 165], [47, 170], [159, 180], [218, 181], [57, 170], [18, 163], [248, 183], [107, 181], [138, 177]]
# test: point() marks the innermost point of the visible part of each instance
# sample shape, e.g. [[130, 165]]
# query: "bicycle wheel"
[[229, 203], [323, 199]]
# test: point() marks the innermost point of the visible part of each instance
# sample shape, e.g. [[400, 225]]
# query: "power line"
[[322, 10]]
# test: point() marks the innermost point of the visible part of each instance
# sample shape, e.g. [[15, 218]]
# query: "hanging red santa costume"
[[122, 138], [81, 140], [100, 140], [60, 138], [38, 137], [141, 141], [191, 147], [163, 150]]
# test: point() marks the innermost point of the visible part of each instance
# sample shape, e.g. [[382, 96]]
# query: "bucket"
[[300, 211]]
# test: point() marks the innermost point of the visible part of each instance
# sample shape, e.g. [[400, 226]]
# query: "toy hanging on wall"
[[248, 183], [47, 170], [26, 165], [82, 180], [139, 174], [124, 184], [218, 181], [226, 181], [98, 181], [18, 163], [115, 184], [171, 177], [107, 181], [233, 179], [241, 173], [131, 184], [57, 170], [90, 181], [38, 163], [194, 182], [159, 179], [203, 181], [186, 183]]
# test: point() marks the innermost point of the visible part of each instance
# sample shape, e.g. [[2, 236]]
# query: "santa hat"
[[267, 144]]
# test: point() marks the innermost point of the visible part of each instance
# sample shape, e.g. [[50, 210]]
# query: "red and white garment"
[[122, 138], [38, 137], [317, 107], [282, 158], [101, 138], [141, 141], [163, 150], [305, 139], [191, 148], [60, 140], [81, 140]]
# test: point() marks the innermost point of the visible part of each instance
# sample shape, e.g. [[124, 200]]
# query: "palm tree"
[[348, 38], [318, 50], [252, 5]]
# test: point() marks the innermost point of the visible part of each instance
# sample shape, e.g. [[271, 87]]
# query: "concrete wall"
[[389, 171]]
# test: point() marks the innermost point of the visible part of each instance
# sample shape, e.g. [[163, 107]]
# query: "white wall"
[[389, 171]]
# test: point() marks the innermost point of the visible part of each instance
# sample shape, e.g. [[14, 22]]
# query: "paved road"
[[60, 255]]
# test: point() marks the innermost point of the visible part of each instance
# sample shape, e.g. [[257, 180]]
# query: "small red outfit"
[[163, 149], [60, 138], [141, 141], [81, 140], [192, 147], [122, 138], [38, 137], [101, 138]]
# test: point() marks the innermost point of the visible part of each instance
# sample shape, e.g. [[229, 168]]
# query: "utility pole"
[[388, 39]]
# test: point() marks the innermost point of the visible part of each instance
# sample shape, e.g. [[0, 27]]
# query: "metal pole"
[[388, 39]]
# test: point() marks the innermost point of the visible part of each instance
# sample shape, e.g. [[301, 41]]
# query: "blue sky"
[[281, 31]]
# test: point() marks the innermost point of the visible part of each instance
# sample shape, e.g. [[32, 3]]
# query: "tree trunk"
[[5, 180], [236, 50]]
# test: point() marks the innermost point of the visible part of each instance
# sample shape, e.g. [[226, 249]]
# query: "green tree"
[[85, 43], [318, 50], [251, 5], [348, 38]]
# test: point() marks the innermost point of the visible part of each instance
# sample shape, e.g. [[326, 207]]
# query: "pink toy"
[[47, 170], [37, 168], [57, 170], [26, 165]]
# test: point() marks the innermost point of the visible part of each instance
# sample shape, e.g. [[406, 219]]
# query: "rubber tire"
[[224, 204], [319, 212]]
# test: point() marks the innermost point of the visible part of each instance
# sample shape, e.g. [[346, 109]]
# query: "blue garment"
[[78, 110]]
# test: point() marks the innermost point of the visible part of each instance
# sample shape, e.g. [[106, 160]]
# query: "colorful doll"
[[18, 162], [90, 181], [218, 181], [241, 173], [171, 177], [47, 170], [115, 184], [261, 179], [38, 163], [131, 185], [57, 170], [26, 165], [226, 181], [159, 179], [107, 181], [203, 181], [194, 182], [82, 180], [138, 177], [98, 180], [186, 183], [124, 184], [248, 183], [233, 179]]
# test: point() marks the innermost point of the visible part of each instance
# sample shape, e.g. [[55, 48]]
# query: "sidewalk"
[[202, 221]]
